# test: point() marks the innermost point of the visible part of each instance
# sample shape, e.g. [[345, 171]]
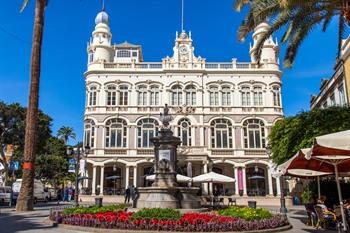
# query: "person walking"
[[127, 195], [59, 196]]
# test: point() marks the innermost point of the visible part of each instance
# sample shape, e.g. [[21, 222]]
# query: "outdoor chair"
[[311, 214], [323, 220], [232, 201], [337, 212], [221, 201]]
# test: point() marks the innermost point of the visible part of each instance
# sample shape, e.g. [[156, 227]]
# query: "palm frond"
[[24, 5]]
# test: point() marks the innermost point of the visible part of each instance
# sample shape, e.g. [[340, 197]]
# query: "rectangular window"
[[332, 100], [342, 101]]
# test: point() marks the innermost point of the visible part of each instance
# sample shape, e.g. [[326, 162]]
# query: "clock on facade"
[[183, 49]]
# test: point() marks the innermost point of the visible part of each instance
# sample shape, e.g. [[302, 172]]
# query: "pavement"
[[37, 221]]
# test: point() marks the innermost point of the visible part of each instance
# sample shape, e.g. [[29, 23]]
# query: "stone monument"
[[165, 192]]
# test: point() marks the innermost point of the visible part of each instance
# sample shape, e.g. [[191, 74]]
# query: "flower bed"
[[159, 220], [245, 213]]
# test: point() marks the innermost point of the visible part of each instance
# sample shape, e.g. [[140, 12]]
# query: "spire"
[[103, 5], [182, 16]]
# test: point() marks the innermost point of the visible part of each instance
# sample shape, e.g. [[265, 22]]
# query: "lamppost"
[[79, 152], [279, 175]]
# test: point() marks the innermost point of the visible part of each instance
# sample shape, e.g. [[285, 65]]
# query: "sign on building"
[[71, 165]]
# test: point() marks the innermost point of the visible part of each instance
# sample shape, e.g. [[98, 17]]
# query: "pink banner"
[[240, 179]]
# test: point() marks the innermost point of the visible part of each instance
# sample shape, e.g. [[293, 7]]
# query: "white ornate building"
[[222, 111]]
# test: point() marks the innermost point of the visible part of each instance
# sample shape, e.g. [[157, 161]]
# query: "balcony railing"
[[160, 66]]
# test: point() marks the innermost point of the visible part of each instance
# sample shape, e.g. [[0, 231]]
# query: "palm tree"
[[297, 17], [25, 198], [65, 133]]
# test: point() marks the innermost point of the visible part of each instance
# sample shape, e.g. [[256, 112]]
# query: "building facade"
[[222, 112], [335, 91]]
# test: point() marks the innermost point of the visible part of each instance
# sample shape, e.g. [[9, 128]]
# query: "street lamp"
[[78, 153], [283, 208]]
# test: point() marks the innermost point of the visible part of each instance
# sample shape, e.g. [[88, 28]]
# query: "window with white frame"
[[341, 95], [226, 96], [154, 95], [258, 96], [146, 129], [111, 95], [214, 96], [92, 96], [116, 133], [123, 95], [142, 95], [276, 96], [184, 132], [123, 53], [245, 96], [176, 95], [221, 133], [254, 133], [190, 92], [89, 133]]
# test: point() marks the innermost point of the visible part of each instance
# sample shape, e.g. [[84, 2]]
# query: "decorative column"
[[135, 176], [102, 178], [269, 177], [236, 183], [278, 186], [126, 177], [244, 181], [205, 185], [93, 191]]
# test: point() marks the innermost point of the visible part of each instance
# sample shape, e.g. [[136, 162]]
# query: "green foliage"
[[245, 213], [306, 196], [157, 213], [93, 209], [296, 18], [65, 133], [294, 133]]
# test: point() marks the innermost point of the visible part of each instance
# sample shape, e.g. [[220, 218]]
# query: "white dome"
[[102, 17]]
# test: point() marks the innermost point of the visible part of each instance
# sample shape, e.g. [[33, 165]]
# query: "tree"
[[65, 133], [52, 166], [298, 18], [294, 133], [25, 199]]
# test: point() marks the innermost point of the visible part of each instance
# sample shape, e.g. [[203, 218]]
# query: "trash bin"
[[252, 204], [98, 201]]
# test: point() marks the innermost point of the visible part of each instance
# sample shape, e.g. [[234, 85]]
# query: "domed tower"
[[100, 49], [270, 49]]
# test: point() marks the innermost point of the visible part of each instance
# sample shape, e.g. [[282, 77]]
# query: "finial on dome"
[[103, 5]]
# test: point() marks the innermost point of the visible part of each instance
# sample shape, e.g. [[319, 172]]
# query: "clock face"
[[183, 49]]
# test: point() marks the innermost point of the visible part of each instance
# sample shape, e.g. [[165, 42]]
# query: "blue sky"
[[152, 24]]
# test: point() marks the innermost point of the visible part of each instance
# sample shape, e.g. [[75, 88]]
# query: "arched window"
[[146, 129], [184, 132], [176, 95], [276, 96], [123, 95], [111, 95], [92, 96], [116, 133], [245, 96], [258, 96], [254, 133], [214, 96], [190, 95], [123, 53], [221, 133], [226, 96], [142, 96], [154, 99], [89, 133], [91, 56]]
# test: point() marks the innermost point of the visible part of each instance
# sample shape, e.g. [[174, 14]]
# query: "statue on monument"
[[165, 117]]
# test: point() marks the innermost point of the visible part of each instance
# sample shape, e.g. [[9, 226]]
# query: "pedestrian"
[[127, 195], [65, 194], [70, 191], [59, 196]]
